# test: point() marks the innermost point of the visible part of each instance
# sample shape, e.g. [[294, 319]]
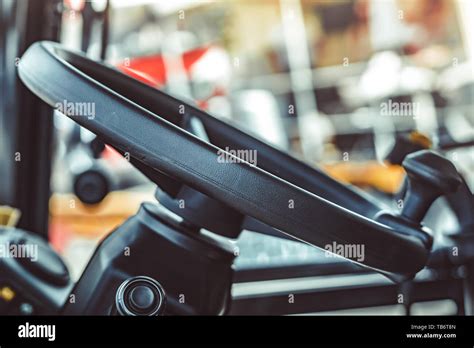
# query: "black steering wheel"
[[279, 191]]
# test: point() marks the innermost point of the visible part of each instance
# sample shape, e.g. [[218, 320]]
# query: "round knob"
[[140, 296], [91, 186], [429, 176]]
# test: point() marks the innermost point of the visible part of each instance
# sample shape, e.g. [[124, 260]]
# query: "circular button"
[[140, 296]]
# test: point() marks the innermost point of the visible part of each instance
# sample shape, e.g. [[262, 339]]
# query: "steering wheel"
[[280, 191]]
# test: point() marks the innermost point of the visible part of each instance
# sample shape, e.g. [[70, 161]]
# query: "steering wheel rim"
[[59, 76]]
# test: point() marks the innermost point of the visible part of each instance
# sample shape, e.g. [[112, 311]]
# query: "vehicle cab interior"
[[162, 158]]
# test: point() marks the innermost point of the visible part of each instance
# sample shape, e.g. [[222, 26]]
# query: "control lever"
[[429, 176]]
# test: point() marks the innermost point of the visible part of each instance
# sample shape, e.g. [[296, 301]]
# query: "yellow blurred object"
[[7, 293], [9, 216], [95, 220], [384, 177], [420, 139]]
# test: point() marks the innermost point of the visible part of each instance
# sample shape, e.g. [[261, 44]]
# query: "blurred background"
[[336, 83]]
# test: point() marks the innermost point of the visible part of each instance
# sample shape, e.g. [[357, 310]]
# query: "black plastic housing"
[[194, 270]]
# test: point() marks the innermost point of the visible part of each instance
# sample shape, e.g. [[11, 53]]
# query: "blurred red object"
[[151, 69], [75, 5]]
